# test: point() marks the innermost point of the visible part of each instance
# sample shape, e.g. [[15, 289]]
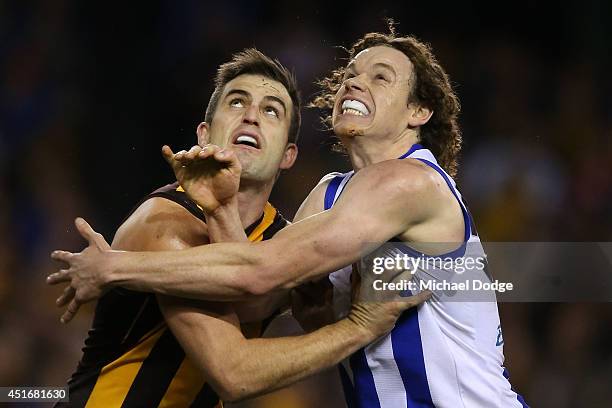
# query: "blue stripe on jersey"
[[518, 396], [408, 353], [413, 149], [330, 192], [347, 387], [365, 389]]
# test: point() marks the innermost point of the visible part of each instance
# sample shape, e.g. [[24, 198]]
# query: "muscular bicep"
[[373, 208], [206, 331]]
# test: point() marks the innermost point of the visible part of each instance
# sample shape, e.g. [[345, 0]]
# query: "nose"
[[354, 83], [251, 116]]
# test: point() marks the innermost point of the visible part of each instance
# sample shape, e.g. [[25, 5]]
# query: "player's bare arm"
[[210, 332], [238, 367], [301, 252]]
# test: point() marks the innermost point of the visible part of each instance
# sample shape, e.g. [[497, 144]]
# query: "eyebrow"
[[278, 100], [267, 97], [386, 66], [351, 67]]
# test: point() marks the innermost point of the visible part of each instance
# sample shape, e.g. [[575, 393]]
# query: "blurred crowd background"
[[89, 92]]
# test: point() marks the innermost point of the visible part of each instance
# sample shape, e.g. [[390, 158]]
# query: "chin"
[[349, 130], [349, 127]]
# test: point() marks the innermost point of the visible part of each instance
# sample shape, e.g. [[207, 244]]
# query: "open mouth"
[[248, 139], [354, 107]]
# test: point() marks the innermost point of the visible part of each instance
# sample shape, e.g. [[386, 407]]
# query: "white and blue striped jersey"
[[440, 354]]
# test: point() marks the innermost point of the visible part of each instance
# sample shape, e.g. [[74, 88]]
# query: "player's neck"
[[252, 200], [367, 150]]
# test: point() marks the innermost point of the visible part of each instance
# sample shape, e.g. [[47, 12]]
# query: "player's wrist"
[[224, 209], [224, 223], [362, 327], [112, 271], [225, 214]]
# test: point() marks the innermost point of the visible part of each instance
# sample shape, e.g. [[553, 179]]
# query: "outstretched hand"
[[85, 272], [210, 175]]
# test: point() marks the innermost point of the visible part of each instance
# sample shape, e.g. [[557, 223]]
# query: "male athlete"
[[395, 113], [145, 350]]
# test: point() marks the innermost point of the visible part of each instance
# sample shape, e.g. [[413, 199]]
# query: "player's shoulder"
[[161, 217], [393, 178], [314, 202]]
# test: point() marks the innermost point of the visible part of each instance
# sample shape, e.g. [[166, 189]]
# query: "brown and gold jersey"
[[131, 358]]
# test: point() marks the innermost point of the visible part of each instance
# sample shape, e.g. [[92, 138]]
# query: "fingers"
[[229, 158], [179, 156], [167, 153], [59, 277], [85, 230], [70, 312], [66, 297], [192, 154], [62, 256], [416, 300], [90, 235]]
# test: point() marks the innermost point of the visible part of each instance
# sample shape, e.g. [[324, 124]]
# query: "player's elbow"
[[231, 392], [232, 387], [266, 273], [258, 285]]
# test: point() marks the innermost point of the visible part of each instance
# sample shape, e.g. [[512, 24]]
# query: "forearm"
[[213, 272], [233, 271], [263, 365]]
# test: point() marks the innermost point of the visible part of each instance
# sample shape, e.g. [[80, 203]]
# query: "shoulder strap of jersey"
[[265, 227], [174, 192], [335, 188]]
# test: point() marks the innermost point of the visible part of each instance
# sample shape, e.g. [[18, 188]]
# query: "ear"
[[418, 115], [291, 152], [203, 132]]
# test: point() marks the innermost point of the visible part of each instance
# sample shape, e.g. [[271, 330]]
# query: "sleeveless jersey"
[[441, 353]]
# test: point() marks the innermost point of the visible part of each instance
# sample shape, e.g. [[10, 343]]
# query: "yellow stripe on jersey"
[[116, 378], [268, 219], [184, 387]]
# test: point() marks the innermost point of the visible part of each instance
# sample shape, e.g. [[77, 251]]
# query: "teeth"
[[355, 105], [250, 140], [350, 111]]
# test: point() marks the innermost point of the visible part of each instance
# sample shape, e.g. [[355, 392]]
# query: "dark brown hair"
[[254, 62], [430, 88]]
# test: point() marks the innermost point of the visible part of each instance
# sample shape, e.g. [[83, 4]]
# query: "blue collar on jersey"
[[412, 149]]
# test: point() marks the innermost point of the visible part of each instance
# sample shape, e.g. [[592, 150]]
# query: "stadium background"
[[90, 92]]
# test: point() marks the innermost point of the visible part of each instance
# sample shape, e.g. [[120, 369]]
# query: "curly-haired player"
[[395, 113]]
